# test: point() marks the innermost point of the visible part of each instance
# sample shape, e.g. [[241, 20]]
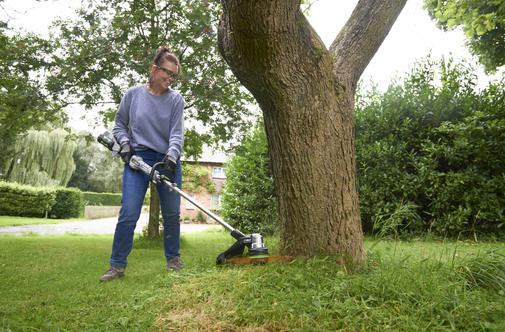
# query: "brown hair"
[[163, 54]]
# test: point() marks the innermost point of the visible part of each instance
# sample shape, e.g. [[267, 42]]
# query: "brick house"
[[215, 165]]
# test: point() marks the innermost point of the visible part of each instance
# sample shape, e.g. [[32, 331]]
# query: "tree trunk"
[[306, 94], [153, 226]]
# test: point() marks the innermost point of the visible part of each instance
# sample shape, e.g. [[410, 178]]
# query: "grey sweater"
[[155, 122]]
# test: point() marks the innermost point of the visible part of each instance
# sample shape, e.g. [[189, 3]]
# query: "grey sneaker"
[[174, 264], [113, 273]]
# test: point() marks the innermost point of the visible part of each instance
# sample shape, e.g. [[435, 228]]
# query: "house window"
[[189, 205], [215, 202], [218, 172]]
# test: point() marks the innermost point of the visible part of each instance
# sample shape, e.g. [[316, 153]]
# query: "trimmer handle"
[[108, 140]]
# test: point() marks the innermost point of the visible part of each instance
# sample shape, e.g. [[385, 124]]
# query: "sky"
[[413, 36]]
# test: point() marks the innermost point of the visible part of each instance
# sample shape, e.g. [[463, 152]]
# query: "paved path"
[[97, 226]]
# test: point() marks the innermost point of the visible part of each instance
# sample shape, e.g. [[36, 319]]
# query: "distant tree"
[[42, 158], [96, 169], [483, 22], [23, 102], [81, 178], [107, 175]]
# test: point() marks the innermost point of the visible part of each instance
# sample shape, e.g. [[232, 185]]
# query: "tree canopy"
[[483, 22], [24, 104], [110, 47]]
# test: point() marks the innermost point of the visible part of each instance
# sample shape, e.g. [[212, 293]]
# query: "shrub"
[[430, 155], [68, 203], [197, 178], [248, 198], [25, 201], [201, 218], [106, 199]]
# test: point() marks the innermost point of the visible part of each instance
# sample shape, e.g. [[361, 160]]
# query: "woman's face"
[[164, 75]]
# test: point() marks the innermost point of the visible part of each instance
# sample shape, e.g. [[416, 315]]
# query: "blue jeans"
[[135, 184]]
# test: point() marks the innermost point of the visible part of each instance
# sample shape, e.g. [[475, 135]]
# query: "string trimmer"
[[257, 251]]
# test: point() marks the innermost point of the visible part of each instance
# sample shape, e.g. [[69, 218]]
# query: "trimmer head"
[[257, 251], [253, 242]]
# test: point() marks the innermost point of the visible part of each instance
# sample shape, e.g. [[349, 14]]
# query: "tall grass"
[[51, 284], [405, 286], [486, 270]]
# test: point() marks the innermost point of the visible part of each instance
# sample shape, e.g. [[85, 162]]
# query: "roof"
[[216, 157]]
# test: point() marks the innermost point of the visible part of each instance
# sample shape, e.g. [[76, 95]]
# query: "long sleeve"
[[154, 122], [122, 120], [176, 139]]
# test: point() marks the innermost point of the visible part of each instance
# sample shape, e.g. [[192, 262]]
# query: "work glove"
[[170, 163], [125, 152]]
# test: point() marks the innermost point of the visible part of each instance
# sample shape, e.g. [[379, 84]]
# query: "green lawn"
[[19, 221], [51, 284]]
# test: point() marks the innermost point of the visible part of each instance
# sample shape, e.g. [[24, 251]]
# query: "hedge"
[[106, 199], [59, 203], [68, 203], [431, 156], [111, 199], [25, 201]]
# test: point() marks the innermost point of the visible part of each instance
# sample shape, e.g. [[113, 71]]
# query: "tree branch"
[[94, 103], [362, 35]]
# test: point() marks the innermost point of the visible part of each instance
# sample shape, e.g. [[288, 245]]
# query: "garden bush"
[[248, 196], [431, 156], [54, 202], [68, 203], [24, 200]]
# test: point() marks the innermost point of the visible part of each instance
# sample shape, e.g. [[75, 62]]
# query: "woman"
[[150, 124]]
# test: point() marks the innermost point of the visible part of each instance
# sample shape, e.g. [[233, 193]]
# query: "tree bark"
[[306, 93], [153, 226]]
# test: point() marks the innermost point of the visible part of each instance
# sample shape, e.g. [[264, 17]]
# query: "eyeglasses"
[[170, 73]]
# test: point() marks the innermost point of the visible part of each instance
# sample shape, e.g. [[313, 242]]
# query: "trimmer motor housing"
[[254, 243]]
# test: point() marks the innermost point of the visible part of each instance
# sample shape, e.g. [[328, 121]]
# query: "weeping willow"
[[42, 158]]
